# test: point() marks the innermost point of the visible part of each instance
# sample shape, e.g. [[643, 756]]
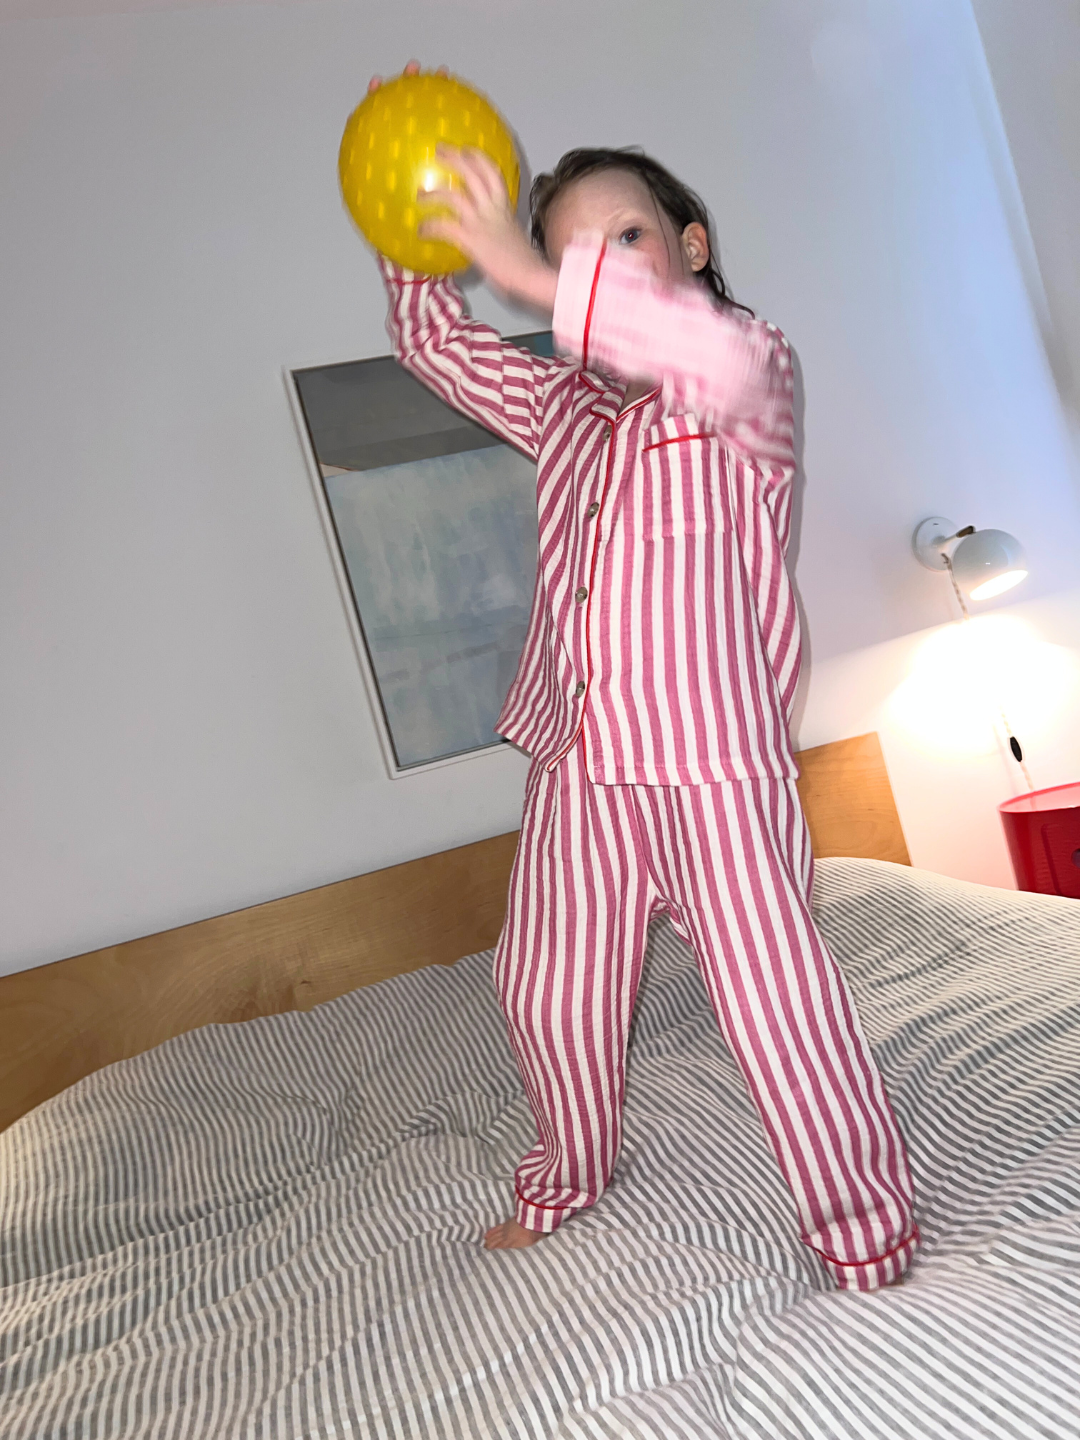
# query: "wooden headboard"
[[63, 1021]]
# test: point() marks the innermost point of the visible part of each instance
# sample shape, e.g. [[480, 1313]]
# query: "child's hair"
[[682, 205]]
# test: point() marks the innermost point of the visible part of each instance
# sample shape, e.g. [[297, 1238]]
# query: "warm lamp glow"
[[963, 676], [989, 588]]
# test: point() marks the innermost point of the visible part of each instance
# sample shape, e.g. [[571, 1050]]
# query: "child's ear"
[[695, 243]]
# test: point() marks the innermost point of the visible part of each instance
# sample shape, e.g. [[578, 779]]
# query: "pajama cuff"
[[544, 1218], [615, 317], [575, 296], [873, 1274], [397, 274]]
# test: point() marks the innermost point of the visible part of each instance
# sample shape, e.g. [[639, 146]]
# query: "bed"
[[272, 1228]]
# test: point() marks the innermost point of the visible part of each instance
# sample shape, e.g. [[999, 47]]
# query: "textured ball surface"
[[387, 160]]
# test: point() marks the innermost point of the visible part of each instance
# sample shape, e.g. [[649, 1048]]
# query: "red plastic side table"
[[1043, 832]]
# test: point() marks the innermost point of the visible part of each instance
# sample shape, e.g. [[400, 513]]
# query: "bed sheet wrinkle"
[[273, 1230]]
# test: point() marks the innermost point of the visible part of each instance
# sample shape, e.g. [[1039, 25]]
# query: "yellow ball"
[[388, 160]]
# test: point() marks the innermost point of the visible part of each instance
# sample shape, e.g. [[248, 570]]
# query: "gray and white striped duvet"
[[273, 1229]]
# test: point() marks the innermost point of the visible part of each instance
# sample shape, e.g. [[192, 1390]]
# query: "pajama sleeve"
[[612, 313], [467, 364]]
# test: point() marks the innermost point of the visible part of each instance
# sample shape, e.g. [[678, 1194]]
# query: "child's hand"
[[412, 68], [482, 223], [483, 226]]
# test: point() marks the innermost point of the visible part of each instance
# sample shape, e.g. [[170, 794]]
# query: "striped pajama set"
[[653, 695]]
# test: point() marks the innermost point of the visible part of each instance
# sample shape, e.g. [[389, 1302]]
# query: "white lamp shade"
[[989, 562]]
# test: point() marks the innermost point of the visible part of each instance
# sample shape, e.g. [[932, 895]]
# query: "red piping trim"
[[859, 1264], [588, 312], [594, 410], [534, 1206], [550, 765], [588, 609], [675, 440], [638, 403]]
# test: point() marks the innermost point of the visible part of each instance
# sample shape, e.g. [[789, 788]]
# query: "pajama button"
[[581, 594], [593, 510], [579, 689]]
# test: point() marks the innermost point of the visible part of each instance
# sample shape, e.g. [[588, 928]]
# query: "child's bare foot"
[[511, 1236]]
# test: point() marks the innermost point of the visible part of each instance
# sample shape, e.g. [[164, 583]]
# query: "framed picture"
[[431, 524]]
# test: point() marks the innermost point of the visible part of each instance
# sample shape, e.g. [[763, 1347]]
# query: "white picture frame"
[[408, 720]]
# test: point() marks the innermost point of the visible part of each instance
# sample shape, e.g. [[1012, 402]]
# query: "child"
[[654, 690]]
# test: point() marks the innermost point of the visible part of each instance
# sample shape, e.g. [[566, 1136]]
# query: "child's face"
[[620, 206]]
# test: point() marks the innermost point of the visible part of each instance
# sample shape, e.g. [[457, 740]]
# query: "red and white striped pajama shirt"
[[653, 694]]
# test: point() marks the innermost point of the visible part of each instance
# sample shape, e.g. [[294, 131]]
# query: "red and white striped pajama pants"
[[731, 863]]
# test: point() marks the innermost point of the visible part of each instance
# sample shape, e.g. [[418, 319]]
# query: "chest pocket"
[[683, 490]]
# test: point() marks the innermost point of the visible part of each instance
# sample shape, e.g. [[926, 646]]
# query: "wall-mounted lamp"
[[982, 563]]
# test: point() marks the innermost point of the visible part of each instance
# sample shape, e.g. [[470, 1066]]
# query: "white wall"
[[1033, 52], [183, 729], [933, 695]]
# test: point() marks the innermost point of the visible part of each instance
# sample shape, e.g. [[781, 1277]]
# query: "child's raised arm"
[[612, 313], [464, 362]]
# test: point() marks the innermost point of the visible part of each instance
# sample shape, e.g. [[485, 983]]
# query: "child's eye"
[[629, 236]]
